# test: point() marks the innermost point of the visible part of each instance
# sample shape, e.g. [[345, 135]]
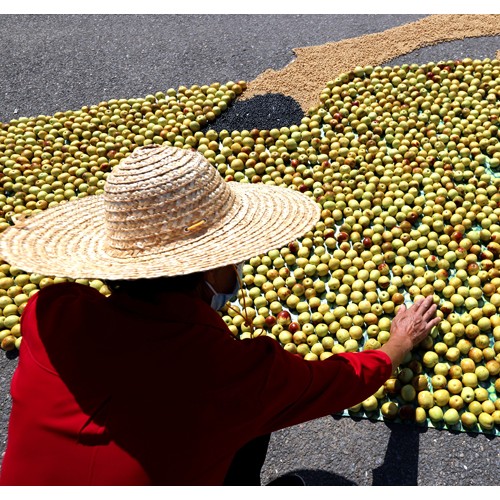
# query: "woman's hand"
[[409, 327]]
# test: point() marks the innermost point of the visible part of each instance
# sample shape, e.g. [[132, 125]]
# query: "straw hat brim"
[[69, 240]]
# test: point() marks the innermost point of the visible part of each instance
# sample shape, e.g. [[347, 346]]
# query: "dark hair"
[[145, 287]]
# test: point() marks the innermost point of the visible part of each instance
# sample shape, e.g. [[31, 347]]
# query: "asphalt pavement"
[[56, 63]]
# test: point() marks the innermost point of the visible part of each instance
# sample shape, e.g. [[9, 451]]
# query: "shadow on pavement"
[[14, 354], [316, 477], [400, 467], [324, 478]]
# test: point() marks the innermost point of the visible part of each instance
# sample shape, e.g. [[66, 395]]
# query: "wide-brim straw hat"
[[165, 211]]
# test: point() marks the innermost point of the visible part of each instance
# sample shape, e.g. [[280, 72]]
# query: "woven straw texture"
[[165, 211]]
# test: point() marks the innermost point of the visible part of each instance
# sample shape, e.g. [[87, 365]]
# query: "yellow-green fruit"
[[380, 392], [338, 348], [475, 407], [10, 310], [420, 383], [441, 397], [451, 417], [467, 394], [8, 343], [438, 382], [291, 348], [4, 333], [317, 348], [392, 386], [441, 369], [481, 394], [420, 415], [16, 330], [303, 349], [436, 414], [97, 284], [454, 386], [260, 332], [486, 421], [482, 373], [405, 375], [328, 343], [325, 355], [488, 406], [493, 367], [285, 337], [356, 408], [10, 321], [351, 345], [389, 410], [6, 283], [408, 392], [469, 420], [45, 282], [370, 403], [469, 380], [496, 417], [430, 359], [456, 402], [425, 399], [310, 356]]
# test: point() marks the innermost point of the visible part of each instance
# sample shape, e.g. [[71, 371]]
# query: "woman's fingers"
[[431, 324], [417, 305], [435, 322], [422, 304], [428, 302], [429, 313]]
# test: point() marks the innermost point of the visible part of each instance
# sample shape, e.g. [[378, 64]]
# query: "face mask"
[[219, 299]]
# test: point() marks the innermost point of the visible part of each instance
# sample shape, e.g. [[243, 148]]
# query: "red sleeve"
[[296, 390]]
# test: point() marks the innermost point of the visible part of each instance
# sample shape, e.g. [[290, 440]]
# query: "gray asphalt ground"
[[56, 63]]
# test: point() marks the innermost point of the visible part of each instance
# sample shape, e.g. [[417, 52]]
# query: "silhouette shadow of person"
[[400, 467]]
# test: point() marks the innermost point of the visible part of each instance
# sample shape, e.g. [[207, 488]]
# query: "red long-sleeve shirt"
[[116, 391]]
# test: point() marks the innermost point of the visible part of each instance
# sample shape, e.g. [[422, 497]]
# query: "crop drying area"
[[394, 132]]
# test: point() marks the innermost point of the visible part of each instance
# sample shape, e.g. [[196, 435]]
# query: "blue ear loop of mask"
[[219, 300]]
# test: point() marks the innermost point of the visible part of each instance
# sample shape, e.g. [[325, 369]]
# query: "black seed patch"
[[262, 112]]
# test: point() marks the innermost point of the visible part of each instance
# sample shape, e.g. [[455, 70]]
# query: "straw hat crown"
[[152, 199]]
